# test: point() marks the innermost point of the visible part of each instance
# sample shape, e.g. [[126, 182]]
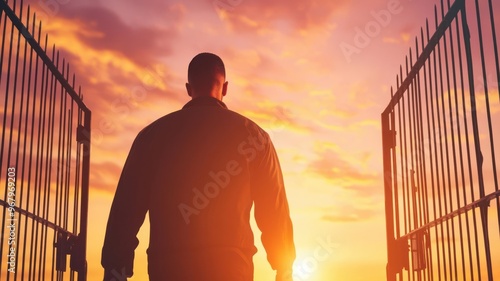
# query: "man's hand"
[[284, 275]]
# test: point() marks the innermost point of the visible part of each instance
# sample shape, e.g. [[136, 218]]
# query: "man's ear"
[[189, 90], [224, 88]]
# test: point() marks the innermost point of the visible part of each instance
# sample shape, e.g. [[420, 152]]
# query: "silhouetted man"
[[198, 171]]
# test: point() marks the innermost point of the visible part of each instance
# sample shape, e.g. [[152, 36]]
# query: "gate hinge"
[[399, 260], [77, 261], [63, 246], [69, 246], [419, 245]]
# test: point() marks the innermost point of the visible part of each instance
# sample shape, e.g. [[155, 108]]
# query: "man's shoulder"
[[248, 123], [168, 118], [178, 118]]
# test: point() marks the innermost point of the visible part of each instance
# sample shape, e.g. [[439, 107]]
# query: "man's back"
[[198, 171]]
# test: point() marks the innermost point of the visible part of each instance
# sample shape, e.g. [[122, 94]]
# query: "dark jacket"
[[198, 171]]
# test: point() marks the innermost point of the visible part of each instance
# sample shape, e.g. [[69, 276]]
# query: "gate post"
[[387, 144]]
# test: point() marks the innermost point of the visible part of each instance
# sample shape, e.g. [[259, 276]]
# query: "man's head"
[[206, 76]]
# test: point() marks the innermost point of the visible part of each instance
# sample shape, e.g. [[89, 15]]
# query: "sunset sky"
[[297, 68]]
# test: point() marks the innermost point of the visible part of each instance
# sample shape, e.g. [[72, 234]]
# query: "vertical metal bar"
[[82, 274], [33, 123], [497, 63], [453, 256], [410, 168], [2, 51], [407, 150], [392, 130], [484, 210], [433, 149], [411, 130], [49, 157], [21, 144], [44, 172], [426, 93], [438, 149], [442, 186], [24, 142], [38, 168], [78, 175], [497, 67], [421, 169], [467, 149], [413, 149], [403, 152], [402, 165], [60, 167], [13, 109], [68, 177], [387, 139], [63, 164], [7, 88], [1, 16], [43, 146], [477, 144], [455, 168], [486, 94], [6, 102], [5, 110], [469, 162]]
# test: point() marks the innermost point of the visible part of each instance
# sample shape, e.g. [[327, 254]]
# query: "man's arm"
[[271, 210], [127, 214]]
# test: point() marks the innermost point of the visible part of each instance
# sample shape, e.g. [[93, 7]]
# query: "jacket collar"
[[205, 101]]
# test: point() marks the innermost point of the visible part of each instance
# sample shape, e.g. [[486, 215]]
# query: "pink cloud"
[[261, 14], [332, 166], [143, 45]]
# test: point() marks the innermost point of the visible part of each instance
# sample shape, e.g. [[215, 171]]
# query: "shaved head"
[[206, 72]]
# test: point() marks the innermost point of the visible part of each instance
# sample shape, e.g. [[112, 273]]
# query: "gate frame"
[[398, 248], [77, 247]]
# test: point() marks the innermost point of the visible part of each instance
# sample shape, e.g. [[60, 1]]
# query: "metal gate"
[[439, 152], [45, 156]]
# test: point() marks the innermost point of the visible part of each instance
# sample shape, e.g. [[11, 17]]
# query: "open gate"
[[45, 156], [440, 154]]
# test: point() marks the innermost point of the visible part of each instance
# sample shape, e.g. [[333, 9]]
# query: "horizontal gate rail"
[[38, 219], [476, 204]]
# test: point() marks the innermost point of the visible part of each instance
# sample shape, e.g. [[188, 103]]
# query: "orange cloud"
[[105, 175], [277, 117]]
